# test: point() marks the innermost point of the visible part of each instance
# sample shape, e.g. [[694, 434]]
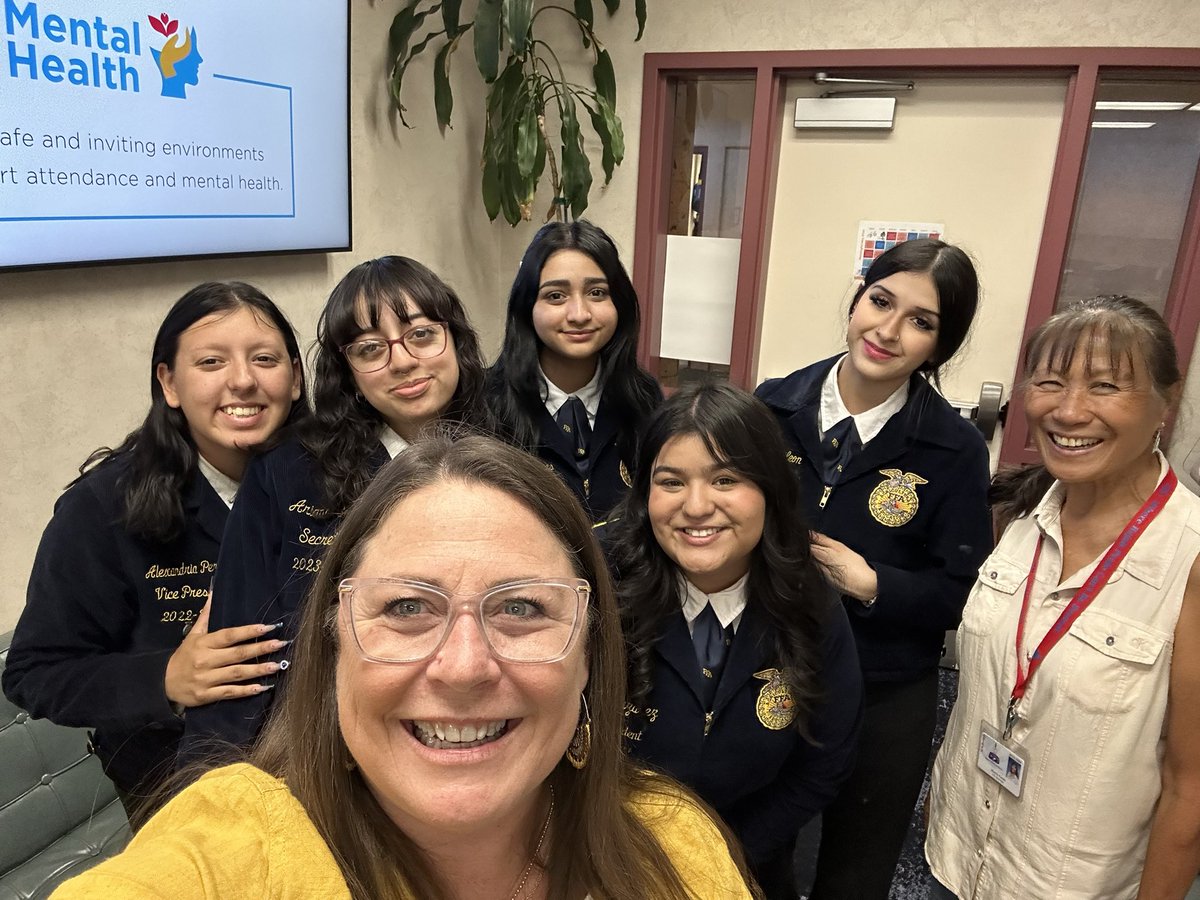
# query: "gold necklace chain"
[[536, 851]]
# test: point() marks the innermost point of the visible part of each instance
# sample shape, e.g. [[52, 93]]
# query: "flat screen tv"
[[130, 131]]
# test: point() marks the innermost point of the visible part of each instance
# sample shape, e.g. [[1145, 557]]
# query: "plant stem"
[[562, 76], [556, 209]]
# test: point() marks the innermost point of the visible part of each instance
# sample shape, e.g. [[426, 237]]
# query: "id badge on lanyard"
[[1003, 761], [1001, 758]]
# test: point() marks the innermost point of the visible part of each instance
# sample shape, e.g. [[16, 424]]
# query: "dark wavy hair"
[[514, 385], [1122, 328], [784, 583], [957, 286], [600, 845], [161, 452], [344, 431]]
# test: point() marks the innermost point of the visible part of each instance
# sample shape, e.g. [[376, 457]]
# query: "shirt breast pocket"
[[1114, 656], [995, 591]]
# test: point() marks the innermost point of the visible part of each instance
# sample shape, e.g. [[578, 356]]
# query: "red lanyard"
[[1086, 594]]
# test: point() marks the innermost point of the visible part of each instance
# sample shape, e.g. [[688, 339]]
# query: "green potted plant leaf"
[[530, 83]]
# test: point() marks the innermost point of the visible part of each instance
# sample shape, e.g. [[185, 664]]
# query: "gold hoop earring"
[[580, 747]]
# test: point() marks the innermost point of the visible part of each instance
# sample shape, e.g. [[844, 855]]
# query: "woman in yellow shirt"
[[452, 725]]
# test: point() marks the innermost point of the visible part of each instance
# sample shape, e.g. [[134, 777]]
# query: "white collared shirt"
[[225, 486], [392, 442], [727, 604], [869, 423], [589, 394]]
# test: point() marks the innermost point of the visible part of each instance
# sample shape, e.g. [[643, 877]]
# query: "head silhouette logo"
[[179, 59]]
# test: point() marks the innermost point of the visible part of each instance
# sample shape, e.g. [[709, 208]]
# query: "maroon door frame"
[[1081, 66]]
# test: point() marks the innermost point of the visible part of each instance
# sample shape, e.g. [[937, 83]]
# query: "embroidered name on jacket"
[[894, 501]]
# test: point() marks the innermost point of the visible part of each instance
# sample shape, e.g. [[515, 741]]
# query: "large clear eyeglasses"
[[395, 620], [372, 354]]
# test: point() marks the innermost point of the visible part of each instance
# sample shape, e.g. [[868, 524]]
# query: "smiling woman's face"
[[707, 517], [463, 538], [574, 315], [408, 392], [234, 383], [1094, 422]]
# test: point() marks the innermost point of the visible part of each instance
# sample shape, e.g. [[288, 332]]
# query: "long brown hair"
[[784, 583], [344, 430], [599, 846]]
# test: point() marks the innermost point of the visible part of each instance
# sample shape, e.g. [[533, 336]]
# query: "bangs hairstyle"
[[737, 430], [957, 287], [345, 430], [1111, 329], [601, 847], [161, 450], [741, 434], [514, 380]]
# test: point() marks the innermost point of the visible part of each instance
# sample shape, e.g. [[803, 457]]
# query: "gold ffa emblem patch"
[[894, 501], [625, 475], [775, 707]]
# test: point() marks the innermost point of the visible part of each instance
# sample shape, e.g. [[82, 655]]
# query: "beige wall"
[[974, 155], [76, 342], [417, 193], [676, 26]]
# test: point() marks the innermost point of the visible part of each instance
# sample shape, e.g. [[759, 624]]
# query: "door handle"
[[987, 413]]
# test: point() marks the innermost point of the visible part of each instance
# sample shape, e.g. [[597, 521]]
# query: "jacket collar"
[[749, 652], [380, 457], [202, 505], [799, 397], [603, 432], [752, 649]]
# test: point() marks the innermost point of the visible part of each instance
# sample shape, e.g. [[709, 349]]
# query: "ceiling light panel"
[[1142, 105]]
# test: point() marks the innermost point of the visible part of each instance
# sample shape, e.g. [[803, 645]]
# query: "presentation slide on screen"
[[130, 131]]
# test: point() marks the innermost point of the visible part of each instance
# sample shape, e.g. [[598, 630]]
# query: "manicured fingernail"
[[283, 664], [263, 688], [279, 645]]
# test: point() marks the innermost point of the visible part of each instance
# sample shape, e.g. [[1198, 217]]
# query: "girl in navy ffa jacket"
[[115, 633], [395, 352], [567, 384], [895, 486], [744, 683]]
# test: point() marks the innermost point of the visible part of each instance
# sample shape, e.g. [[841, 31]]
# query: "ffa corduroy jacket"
[[608, 478], [913, 502], [747, 760], [103, 614], [274, 543]]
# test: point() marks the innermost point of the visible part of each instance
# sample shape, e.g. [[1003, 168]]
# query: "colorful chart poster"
[[874, 238]]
